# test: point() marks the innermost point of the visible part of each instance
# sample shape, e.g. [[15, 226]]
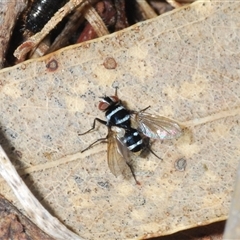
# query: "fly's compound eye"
[[106, 102], [103, 106], [114, 99]]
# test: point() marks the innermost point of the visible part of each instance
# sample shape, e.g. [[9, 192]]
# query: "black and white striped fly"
[[129, 133]]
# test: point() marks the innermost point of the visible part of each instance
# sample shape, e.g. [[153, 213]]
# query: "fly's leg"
[[151, 151], [133, 174], [93, 126], [137, 112], [95, 142], [147, 148], [143, 110], [116, 88]]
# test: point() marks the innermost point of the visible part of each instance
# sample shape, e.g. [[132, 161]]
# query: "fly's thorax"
[[118, 115], [113, 110]]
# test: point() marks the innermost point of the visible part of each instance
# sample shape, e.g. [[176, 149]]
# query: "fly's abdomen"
[[133, 140]]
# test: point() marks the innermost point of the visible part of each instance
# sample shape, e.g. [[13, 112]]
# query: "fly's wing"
[[118, 155], [157, 127]]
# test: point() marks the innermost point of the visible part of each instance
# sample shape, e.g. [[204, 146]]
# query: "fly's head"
[[107, 101]]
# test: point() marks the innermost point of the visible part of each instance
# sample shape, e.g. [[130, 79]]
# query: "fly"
[[129, 133], [116, 114]]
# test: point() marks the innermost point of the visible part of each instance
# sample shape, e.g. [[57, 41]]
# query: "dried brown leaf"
[[41, 217], [184, 64], [9, 13], [14, 225]]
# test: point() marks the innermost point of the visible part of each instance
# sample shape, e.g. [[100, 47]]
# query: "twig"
[[35, 211], [146, 9], [174, 3], [96, 22], [33, 41]]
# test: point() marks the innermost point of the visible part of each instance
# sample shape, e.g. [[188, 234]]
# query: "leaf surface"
[[185, 64]]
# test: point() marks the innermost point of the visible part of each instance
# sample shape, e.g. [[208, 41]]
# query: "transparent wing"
[[157, 127], [118, 155]]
